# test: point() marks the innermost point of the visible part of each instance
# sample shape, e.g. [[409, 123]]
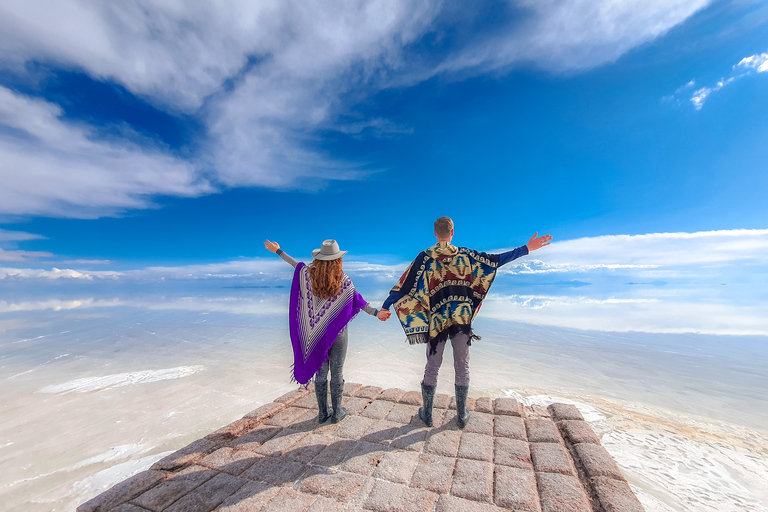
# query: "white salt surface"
[[121, 379]]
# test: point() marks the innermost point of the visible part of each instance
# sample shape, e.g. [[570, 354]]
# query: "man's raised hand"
[[537, 243], [272, 246]]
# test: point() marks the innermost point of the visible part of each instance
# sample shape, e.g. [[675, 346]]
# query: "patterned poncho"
[[316, 322], [444, 288]]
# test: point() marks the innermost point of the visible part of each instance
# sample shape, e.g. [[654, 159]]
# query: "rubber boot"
[[321, 392], [462, 414], [339, 412], [428, 397]]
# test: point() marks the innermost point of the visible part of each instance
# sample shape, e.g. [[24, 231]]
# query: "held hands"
[[272, 246], [384, 315], [537, 243]]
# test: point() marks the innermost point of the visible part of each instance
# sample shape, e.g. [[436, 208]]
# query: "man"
[[437, 298]]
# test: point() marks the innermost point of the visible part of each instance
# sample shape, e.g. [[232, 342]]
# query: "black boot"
[[427, 396], [462, 414], [321, 392], [339, 412]]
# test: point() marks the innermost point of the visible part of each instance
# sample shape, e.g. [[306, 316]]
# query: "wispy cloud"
[[757, 63], [57, 273], [264, 78], [18, 236], [22, 255]]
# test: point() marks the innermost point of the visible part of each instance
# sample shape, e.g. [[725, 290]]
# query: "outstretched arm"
[[275, 248], [533, 244]]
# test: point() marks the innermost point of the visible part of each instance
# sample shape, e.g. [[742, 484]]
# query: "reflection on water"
[[99, 381]]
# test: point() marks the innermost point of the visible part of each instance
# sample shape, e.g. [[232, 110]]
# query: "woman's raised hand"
[[272, 246]]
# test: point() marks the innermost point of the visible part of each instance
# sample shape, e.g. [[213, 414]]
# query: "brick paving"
[[383, 458]]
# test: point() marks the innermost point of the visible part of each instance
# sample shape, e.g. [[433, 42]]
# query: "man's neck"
[[443, 240]]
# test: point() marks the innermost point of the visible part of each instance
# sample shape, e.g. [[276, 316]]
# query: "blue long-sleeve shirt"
[[504, 258]]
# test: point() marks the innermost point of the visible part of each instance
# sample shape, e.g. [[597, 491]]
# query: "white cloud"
[[18, 236], [653, 250], [52, 167], [264, 77], [56, 273], [757, 62], [22, 255]]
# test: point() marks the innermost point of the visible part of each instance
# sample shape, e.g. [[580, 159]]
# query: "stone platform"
[[382, 458]]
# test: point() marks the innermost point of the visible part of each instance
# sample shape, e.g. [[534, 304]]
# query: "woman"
[[323, 301]]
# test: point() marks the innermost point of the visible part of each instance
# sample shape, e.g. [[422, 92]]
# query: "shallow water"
[[96, 387]]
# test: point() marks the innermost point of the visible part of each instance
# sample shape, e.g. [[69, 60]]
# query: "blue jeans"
[[335, 362]]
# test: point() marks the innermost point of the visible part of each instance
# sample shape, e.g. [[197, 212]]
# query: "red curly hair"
[[325, 277]]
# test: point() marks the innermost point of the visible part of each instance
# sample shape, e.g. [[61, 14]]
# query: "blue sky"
[[143, 135]]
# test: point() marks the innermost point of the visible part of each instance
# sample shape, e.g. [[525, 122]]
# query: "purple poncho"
[[316, 322]]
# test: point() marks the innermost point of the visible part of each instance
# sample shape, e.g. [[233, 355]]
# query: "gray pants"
[[460, 361], [335, 361]]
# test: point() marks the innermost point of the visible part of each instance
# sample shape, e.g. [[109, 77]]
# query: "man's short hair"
[[443, 227]]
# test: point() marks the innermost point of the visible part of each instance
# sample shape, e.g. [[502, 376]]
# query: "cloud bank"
[[264, 78]]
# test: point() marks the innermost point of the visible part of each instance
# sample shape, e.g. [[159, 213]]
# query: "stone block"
[[352, 427], [381, 431], [512, 452], [389, 497], [377, 409], [507, 407], [274, 471], [128, 507], [122, 492], [562, 493], [281, 443], [480, 423], [322, 504], [308, 448], [206, 497], [190, 454], [334, 452], [541, 430], [565, 412], [448, 503], [411, 398], [473, 480], [232, 431], [292, 396], [443, 442], [229, 460], [289, 500], [369, 392], [397, 466], [596, 461], [253, 439], [470, 404], [355, 405], [539, 411], [551, 458], [307, 422], [509, 426], [330, 483], [265, 411], [433, 473], [252, 497], [441, 401], [577, 431], [363, 458], [615, 495], [286, 417], [476, 447], [410, 437], [308, 402], [516, 489], [484, 404], [391, 394], [402, 413], [174, 487], [350, 388]]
